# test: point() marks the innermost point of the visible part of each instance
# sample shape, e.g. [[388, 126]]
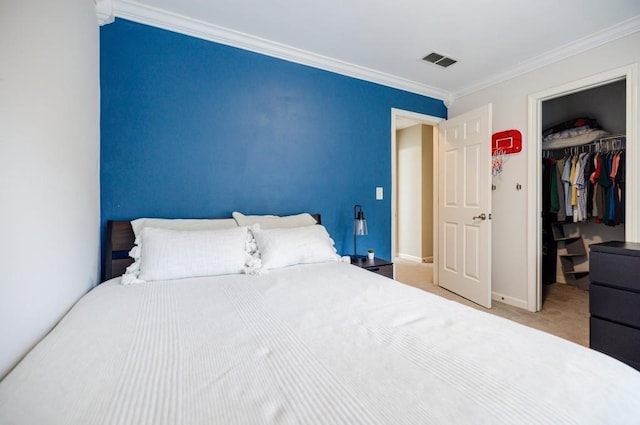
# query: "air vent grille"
[[438, 59]]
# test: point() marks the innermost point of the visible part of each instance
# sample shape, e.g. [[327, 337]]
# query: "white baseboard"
[[409, 258], [509, 300]]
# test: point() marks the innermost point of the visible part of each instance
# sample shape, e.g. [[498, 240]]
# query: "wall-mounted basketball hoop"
[[509, 141], [504, 143]]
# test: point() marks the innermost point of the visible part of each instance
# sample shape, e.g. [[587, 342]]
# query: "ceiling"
[[383, 41]]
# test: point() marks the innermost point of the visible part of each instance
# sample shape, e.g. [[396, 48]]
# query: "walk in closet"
[[583, 179]]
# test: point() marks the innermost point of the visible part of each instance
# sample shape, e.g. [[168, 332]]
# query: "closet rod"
[[601, 144]]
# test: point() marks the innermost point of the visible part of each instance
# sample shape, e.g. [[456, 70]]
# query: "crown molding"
[[104, 11], [137, 12], [160, 18], [623, 29]]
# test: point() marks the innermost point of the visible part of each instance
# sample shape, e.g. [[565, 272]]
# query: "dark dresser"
[[614, 300]]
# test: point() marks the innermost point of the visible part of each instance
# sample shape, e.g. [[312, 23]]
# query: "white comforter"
[[317, 344]]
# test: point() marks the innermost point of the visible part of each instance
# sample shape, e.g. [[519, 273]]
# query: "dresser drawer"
[[377, 265], [616, 264], [615, 304], [386, 270], [618, 341]]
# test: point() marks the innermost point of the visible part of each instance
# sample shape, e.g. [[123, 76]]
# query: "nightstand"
[[377, 265]]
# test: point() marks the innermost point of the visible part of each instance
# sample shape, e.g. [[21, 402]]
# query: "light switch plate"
[[379, 195]]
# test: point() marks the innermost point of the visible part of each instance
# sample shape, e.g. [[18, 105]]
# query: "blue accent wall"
[[192, 128]]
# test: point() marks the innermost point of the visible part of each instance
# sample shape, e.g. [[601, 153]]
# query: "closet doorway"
[[590, 126], [563, 243]]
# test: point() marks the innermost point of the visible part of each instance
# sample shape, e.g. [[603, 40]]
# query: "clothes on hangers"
[[584, 184], [566, 180], [560, 191], [581, 188]]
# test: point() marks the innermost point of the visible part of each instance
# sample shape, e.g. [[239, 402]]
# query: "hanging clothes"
[[604, 183], [562, 209], [584, 185], [573, 176], [589, 168], [566, 180], [619, 179], [593, 178]]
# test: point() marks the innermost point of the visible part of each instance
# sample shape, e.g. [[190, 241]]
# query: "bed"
[[319, 341]]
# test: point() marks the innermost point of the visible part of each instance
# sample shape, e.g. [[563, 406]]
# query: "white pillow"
[[176, 254], [274, 221], [282, 247], [181, 224]]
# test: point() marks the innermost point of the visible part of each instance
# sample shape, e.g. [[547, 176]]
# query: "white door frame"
[[534, 219], [426, 120]]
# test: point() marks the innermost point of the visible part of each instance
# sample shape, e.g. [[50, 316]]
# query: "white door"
[[464, 205]]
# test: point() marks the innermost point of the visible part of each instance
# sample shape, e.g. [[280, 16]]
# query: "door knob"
[[482, 216]]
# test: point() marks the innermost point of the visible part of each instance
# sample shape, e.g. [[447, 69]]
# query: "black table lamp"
[[359, 229]]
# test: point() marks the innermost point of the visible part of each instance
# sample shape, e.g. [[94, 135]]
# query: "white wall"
[[428, 133], [510, 103], [415, 192], [49, 166], [410, 192]]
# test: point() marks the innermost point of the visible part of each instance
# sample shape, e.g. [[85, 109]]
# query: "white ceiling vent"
[[438, 59]]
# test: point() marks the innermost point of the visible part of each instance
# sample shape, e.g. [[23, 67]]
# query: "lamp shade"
[[359, 222], [360, 225]]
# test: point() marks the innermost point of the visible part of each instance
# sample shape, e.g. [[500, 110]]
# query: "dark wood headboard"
[[120, 240]]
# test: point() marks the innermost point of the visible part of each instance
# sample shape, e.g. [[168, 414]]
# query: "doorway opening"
[[461, 203], [414, 144], [536, 223]]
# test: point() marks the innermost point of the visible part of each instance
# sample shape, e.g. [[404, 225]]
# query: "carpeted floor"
[[565, 310]]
